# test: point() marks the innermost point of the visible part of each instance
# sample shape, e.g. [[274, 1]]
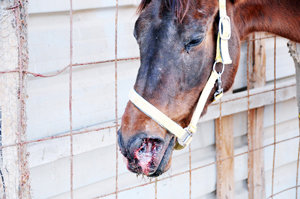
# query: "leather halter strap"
[[184, 135]]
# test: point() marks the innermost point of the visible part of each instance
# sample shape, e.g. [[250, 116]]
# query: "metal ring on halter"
[[223, 67]]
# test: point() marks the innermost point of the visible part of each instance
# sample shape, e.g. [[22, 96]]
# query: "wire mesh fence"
[[21, 143]]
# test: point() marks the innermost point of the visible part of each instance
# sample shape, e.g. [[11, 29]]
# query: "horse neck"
[[281, 17]]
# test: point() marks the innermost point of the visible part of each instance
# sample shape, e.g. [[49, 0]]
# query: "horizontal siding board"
[[202, 154], [240, 80], [290, 127], [238, 102], [185, 156], [284, 62], [205, 186], [93, 38], [46, 184], [48, 43], [177, 187], [284, 178], [47, 114], [203, 138], [50, 179], [282, 157], [44, 6], [140, 192], [284, 111], [199, 186], [49, 151], [93, 91], [241, 191], [94, 41]]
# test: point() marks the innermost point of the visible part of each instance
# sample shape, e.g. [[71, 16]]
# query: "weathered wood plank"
[[257, 71], [256, 177], [44, 6], [294, 50], [225, 164]]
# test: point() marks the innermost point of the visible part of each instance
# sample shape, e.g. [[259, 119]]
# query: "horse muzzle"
[[146, 155]]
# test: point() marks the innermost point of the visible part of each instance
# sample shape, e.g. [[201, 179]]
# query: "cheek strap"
[[184, 135]]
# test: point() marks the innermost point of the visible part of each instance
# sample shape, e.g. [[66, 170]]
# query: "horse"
[[178, 41]]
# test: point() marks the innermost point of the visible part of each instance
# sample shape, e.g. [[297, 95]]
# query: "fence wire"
[[23, 73]]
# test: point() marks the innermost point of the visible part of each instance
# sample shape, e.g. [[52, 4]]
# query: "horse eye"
[[195, 42], [192, 43]]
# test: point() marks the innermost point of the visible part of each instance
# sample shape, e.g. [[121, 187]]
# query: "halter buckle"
[[219, 93], [225, 28], [186, 139]]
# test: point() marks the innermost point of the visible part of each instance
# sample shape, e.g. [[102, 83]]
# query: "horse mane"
[[179, 7]]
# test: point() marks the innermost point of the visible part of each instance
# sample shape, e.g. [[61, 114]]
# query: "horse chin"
[[165, 162]]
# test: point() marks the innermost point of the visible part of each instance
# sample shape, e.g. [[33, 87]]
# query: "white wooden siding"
[[93, 106]]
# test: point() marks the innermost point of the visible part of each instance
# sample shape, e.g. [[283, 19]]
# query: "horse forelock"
[[179, 7]]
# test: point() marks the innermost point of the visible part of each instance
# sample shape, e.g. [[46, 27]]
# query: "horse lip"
[[121, 143], [165, 159]]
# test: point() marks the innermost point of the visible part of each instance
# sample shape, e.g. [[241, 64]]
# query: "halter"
[[184, 135]]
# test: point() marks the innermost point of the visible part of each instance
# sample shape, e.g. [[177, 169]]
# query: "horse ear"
[[143, 5]]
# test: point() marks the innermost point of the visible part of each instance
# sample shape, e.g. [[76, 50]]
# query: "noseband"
[[184, 135]]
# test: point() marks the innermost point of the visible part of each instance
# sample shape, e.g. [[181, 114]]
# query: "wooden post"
[[294, 50], [225, 160], [257, 70], [13, 57]]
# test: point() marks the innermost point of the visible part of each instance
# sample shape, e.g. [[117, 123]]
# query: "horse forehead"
[[159, 16]]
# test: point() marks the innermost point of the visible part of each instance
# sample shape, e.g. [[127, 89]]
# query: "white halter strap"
[[184, 135]]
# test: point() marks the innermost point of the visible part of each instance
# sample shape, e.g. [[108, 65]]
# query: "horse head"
[[177, 42]]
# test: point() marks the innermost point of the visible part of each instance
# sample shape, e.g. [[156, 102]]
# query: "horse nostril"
[[141, 144], [149, 147], [144, 153]]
